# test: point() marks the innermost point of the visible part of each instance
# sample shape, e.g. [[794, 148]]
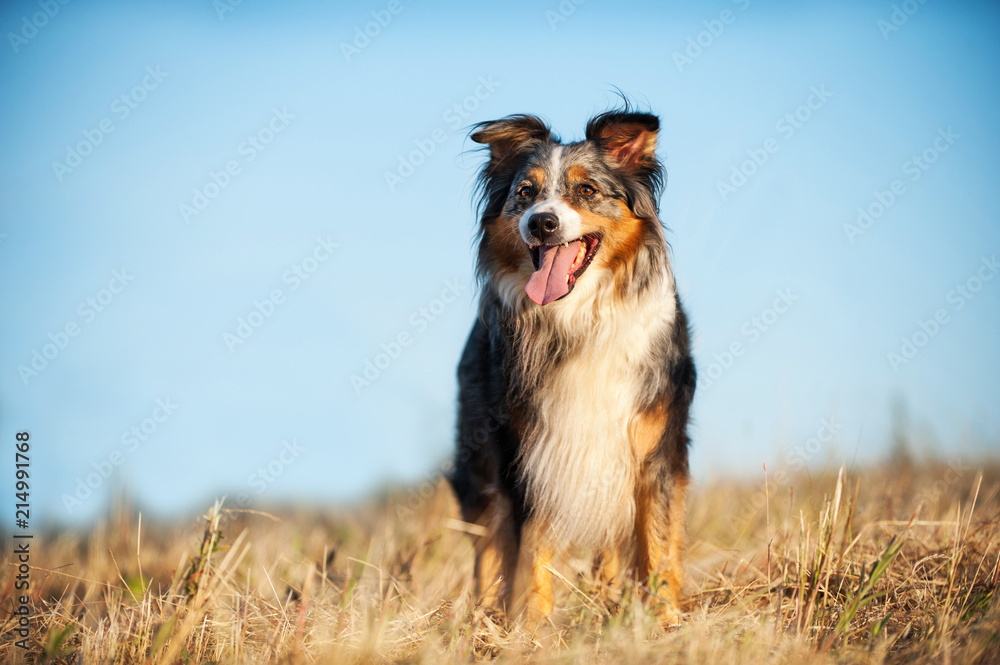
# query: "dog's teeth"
[[580, 254]]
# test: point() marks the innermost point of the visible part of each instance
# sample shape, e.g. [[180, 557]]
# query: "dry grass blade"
[[866, 591]]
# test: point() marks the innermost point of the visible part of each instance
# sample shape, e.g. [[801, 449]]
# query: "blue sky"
[[844, 108]]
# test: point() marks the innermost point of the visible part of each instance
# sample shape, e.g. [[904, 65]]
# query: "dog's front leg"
[[608, 574], [660, 541], [496, 555], [533, 580]]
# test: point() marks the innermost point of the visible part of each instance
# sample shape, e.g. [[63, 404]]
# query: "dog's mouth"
[[557, 267]]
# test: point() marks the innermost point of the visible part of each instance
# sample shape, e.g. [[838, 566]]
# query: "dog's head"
[[557, 216]]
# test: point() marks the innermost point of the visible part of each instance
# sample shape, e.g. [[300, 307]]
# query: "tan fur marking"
[[577, 173], [646, 429], [609, 566], [489, 581], [495, 555], [536, 174], [647, 546], [660, 544], [675, 536], [608, 573], [507, 251], [533, 581], [620, 242]]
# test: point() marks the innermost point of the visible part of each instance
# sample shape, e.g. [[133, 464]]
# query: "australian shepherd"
[[577, 377]]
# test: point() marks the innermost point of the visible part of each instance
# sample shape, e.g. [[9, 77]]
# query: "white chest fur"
[[580, 464]]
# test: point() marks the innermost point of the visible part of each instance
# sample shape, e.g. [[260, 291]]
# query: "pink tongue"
[[549, 282]]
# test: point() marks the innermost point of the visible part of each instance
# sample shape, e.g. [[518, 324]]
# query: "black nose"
[[542, 225]]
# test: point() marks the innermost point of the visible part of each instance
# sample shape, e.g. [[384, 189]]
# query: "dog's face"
[[557, 215]]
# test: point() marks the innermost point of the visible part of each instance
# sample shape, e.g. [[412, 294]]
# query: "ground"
[[890, 564]]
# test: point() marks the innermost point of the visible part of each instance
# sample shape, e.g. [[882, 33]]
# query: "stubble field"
[[890, 564]]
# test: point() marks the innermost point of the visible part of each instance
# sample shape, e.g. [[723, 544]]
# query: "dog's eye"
[[587, 190], [524, 191]]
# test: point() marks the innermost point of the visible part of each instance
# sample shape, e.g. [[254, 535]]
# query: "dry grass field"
[[892, 564]]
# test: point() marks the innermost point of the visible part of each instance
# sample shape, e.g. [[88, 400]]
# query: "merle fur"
[[495, 404]]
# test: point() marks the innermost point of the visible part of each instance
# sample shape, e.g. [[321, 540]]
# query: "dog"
[[577, 377]]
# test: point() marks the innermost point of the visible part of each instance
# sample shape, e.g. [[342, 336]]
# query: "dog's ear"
[[510, 136], [629, 139]]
